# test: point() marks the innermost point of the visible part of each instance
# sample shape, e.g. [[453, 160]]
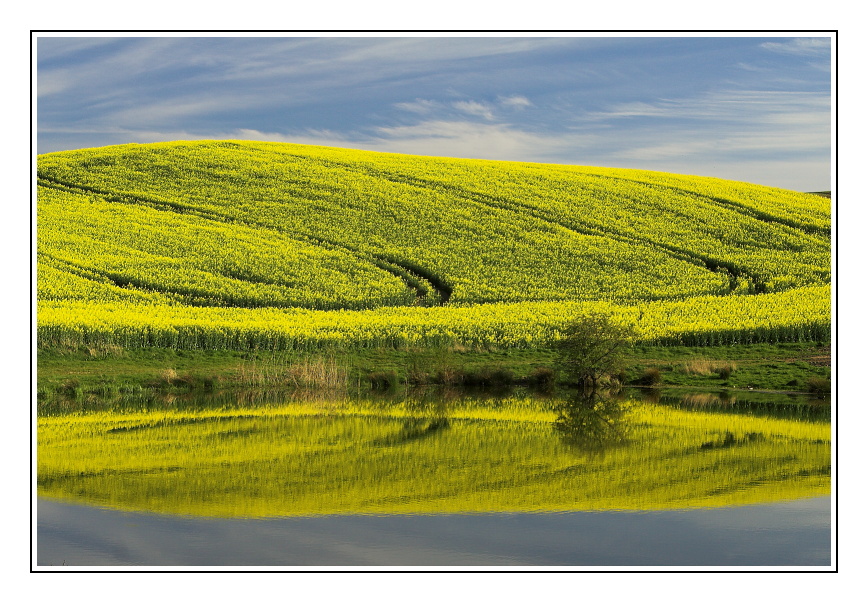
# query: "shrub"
[[725, 371], [170, 377], [502, 377], [592, 349], [650, 376], [819, 385], [70, 388], [448, 376], [383, 380], [542, 377]]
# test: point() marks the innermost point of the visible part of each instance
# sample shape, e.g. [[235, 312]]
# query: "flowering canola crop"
[[231, 244]]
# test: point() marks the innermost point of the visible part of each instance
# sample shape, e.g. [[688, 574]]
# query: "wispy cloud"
[[635, 109], [674, 103], [723, 144], [53, 83], [790, 158], [177, 110], [514, 102], [741, 106], [422, 50], [473, 139], [433, 137], [800, 46], [420, 105], [486, 110], [60, 47], [474, 108], [780, 139]]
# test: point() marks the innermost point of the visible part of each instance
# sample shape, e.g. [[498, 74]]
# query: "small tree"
[[592, 348]]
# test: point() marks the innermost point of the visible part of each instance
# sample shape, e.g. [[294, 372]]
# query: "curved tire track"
[[428, 287], [492, 202]]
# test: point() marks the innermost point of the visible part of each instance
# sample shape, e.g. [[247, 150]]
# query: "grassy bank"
[[74, 372]]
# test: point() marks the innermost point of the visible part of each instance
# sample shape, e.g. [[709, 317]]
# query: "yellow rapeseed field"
[[231, 244]]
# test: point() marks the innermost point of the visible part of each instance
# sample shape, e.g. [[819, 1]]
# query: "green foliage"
[[650, 376], [592, 349], [383, 379], [819, 385]]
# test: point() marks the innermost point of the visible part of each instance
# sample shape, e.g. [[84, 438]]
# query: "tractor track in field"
[[733, 272], [740, 208], [190, 297], [420, 280]]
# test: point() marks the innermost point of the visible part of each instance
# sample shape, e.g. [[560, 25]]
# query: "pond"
[[434, 478]]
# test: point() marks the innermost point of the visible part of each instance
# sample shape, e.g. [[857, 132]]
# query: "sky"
[[755, 109]]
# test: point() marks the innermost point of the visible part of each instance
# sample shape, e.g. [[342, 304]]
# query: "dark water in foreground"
[[782, 534]]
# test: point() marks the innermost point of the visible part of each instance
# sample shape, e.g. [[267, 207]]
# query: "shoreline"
[[788, 368]]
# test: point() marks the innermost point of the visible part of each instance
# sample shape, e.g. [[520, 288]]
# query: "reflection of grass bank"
[[79, 373], [426, 455], [748, 403]]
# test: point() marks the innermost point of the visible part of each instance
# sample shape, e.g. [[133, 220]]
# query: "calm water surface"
[[784, 534], [435, 479]]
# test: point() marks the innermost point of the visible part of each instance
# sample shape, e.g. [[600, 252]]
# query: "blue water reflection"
[[782, 534]]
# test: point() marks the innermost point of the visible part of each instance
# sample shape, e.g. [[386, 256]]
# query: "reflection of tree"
[[592, 421], [427, 415]]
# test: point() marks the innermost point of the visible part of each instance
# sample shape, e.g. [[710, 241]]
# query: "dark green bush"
[[819, 385], [650, 376], [591, 350]]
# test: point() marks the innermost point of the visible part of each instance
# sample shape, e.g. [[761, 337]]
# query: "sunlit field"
[[248, 245]]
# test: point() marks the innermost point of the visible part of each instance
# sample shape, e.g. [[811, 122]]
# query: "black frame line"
[[32, 176]]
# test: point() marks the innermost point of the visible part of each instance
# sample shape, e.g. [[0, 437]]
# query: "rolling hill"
[[253, 244]]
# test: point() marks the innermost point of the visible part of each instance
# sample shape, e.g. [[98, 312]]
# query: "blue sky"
[[756, 109]]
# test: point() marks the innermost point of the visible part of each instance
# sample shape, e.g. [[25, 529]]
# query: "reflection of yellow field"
[[412, 457]]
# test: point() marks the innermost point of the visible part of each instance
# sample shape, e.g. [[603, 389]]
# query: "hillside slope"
[[252, 225]]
